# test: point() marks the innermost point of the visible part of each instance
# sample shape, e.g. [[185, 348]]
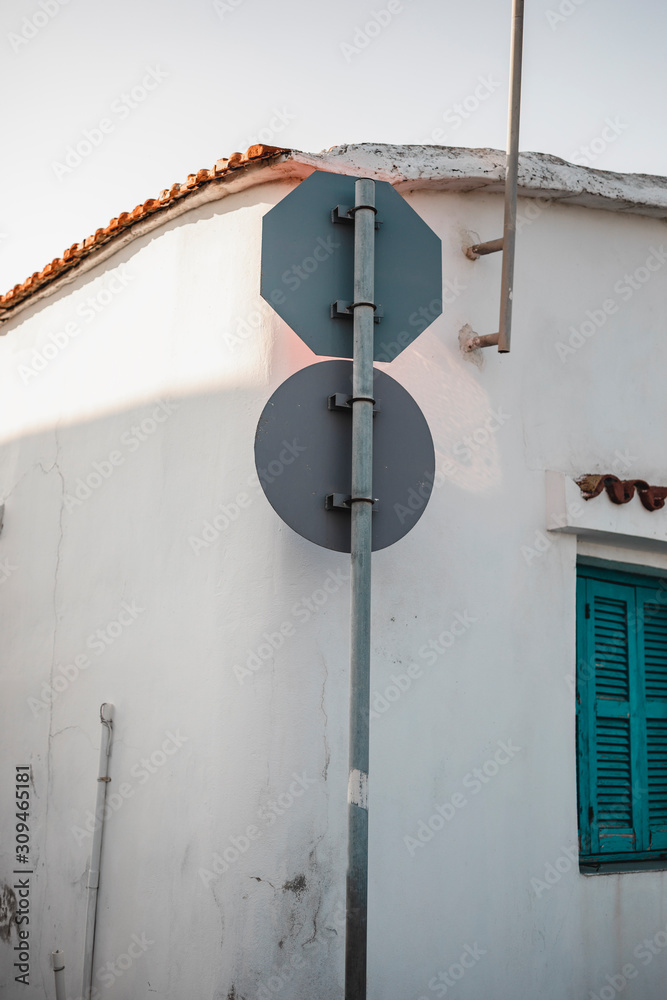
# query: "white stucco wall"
[[157, 398]]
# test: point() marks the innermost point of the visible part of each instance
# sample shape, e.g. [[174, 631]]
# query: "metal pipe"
[[360, 632], [106, 718], [511, 177], [488, 340], [481, 249], [58, 966]]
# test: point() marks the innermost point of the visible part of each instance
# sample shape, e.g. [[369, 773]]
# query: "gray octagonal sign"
[[308, 266]]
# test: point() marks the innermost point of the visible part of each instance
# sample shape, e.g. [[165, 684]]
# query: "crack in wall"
[[327, 750], [51, 734]]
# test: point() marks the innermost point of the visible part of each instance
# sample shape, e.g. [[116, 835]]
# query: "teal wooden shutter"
[[652, 641], [610, 733]]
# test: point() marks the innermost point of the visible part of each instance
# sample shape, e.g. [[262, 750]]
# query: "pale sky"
[[157, 90]]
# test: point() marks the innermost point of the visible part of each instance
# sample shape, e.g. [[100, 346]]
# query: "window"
[[621, 720]]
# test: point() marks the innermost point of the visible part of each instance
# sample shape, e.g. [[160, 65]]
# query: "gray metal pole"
[[511, 176], [58, 966], [360, 639], [106, 718]]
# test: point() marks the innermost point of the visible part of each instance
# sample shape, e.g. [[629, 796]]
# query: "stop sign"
[[308, 267]]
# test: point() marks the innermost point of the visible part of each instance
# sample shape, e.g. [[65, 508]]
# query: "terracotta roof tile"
[[79, 251]]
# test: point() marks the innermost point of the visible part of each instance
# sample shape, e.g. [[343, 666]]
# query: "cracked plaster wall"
[[123, 556]]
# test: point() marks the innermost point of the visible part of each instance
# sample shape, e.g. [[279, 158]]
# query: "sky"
[[105, 104]]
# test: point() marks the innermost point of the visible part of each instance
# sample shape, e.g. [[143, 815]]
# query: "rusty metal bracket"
[[488, 340], [478, 250]]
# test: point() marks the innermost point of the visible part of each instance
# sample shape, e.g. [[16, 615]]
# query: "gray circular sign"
[[303, 454]]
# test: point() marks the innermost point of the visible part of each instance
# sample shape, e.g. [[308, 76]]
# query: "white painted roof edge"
[[461, 169], [408, 168]]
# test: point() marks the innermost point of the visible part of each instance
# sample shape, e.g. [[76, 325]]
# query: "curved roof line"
[[406, 167]]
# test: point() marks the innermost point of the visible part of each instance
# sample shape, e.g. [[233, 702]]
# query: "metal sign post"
[[317, 254], [361, 503]]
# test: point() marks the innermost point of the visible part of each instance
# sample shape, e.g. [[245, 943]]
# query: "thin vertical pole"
[[58, 966], [360, 639], [106, 718], [511, 177]]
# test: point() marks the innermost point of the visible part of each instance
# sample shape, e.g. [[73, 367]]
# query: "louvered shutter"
[[610, 734], [652, 641]]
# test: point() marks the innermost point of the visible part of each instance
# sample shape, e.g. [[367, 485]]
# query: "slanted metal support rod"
[[508, 242], [361, 502], [511, 177]]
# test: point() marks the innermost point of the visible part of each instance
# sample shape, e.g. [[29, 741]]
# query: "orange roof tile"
[[72, 257]]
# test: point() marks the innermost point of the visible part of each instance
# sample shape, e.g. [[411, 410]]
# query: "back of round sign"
[[303, 448]]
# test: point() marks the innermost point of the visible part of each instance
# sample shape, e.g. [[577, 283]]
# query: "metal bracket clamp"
[[343, 501], [344, 214], [343, 401], [340, 309]]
